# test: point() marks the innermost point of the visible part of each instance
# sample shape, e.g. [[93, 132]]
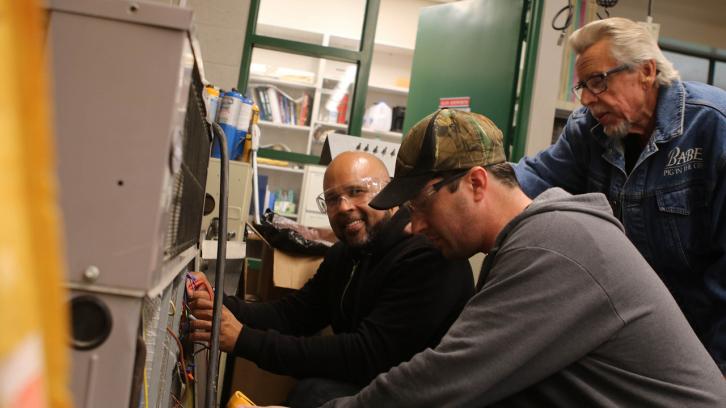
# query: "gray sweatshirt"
[[569, 314]]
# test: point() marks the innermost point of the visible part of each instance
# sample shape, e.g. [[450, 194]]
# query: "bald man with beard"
[[386, 294]]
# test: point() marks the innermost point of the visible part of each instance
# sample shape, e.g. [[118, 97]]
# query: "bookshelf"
[[308, 92]]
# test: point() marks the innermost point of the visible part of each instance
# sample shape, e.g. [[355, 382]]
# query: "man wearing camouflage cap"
[[567, 313]]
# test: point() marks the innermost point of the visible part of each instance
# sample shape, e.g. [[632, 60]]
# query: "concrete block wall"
[[220, 26]]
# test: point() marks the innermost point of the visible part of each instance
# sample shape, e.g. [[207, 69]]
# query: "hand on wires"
[[199, 296], [197, 281], [201, 328]]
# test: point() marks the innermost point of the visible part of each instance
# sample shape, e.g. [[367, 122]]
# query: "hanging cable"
[[568, 20], [213, 368]]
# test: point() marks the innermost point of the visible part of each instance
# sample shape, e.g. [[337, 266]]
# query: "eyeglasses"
[[419, 203], [358, 192], [597, 83]]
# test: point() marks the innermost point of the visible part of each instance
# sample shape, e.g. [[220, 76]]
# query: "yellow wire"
[[173, 308], [146, 382]]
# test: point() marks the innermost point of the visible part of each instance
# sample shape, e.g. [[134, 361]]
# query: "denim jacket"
[[673, 203]]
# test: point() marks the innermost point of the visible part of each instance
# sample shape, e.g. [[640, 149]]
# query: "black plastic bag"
[[287, 235]]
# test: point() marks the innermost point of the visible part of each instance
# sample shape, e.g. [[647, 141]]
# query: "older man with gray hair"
[[656, 147]]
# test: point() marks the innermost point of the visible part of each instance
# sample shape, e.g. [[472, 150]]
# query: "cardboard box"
[[262, 387], [281, 269], [279, 274], [293, 271]]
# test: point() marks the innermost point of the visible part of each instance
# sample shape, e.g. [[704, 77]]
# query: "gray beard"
[[618, 131]]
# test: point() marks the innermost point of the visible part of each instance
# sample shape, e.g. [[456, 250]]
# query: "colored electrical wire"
[[177, 403], [206, 286], [173, 308], [193, 284], [204, 346], [181, 355], [146, 381]]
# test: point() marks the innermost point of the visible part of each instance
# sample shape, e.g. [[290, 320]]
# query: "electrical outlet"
[[654, 28]]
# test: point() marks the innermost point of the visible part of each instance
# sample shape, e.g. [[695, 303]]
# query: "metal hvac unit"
[[133, 149]]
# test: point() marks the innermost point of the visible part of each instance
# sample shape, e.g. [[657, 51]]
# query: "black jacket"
[[401, 299]]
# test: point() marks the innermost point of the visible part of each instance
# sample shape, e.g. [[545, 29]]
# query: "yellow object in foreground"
[[239, 400], [33, 351]]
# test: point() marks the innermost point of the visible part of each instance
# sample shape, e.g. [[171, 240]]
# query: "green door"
[[468, 49]]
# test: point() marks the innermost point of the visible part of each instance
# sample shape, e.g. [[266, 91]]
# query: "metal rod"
[[213, 368]]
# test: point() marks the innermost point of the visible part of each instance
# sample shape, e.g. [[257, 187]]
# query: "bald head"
[[351, 180], [354, 165]]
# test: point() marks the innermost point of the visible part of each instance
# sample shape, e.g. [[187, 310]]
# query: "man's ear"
[[649, 72], [479, 181]]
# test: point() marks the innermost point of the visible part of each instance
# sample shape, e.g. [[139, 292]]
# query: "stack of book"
[[279, 107]]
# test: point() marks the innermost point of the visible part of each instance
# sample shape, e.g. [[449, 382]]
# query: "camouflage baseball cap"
[[443, 141]]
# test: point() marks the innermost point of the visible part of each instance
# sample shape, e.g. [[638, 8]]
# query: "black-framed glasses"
[[419, 203], [597, 83], [357, 192]]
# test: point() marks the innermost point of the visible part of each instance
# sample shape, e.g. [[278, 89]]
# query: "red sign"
[[461, 103]]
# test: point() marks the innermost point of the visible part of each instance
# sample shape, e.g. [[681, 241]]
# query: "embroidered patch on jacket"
[[681, 161]]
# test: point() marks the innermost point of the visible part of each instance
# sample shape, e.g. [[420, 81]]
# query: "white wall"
[[696, 21], [220, 27], [546, 82], [397, 20], [340, 17]]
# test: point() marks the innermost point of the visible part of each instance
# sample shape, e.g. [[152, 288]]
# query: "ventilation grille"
[[189, 184]]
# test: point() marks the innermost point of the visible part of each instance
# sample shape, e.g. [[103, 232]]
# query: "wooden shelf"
[[380, 133], [352, 44], [366, 132], [280, 168], [284, 126], [263, 80], [289, 33], [396, 90], [393, 49], [288, 156], [342, 126]]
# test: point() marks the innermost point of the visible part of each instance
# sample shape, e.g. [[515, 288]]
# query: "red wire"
[[199, 283], [177, 403], [181, 354], [193, 284]]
